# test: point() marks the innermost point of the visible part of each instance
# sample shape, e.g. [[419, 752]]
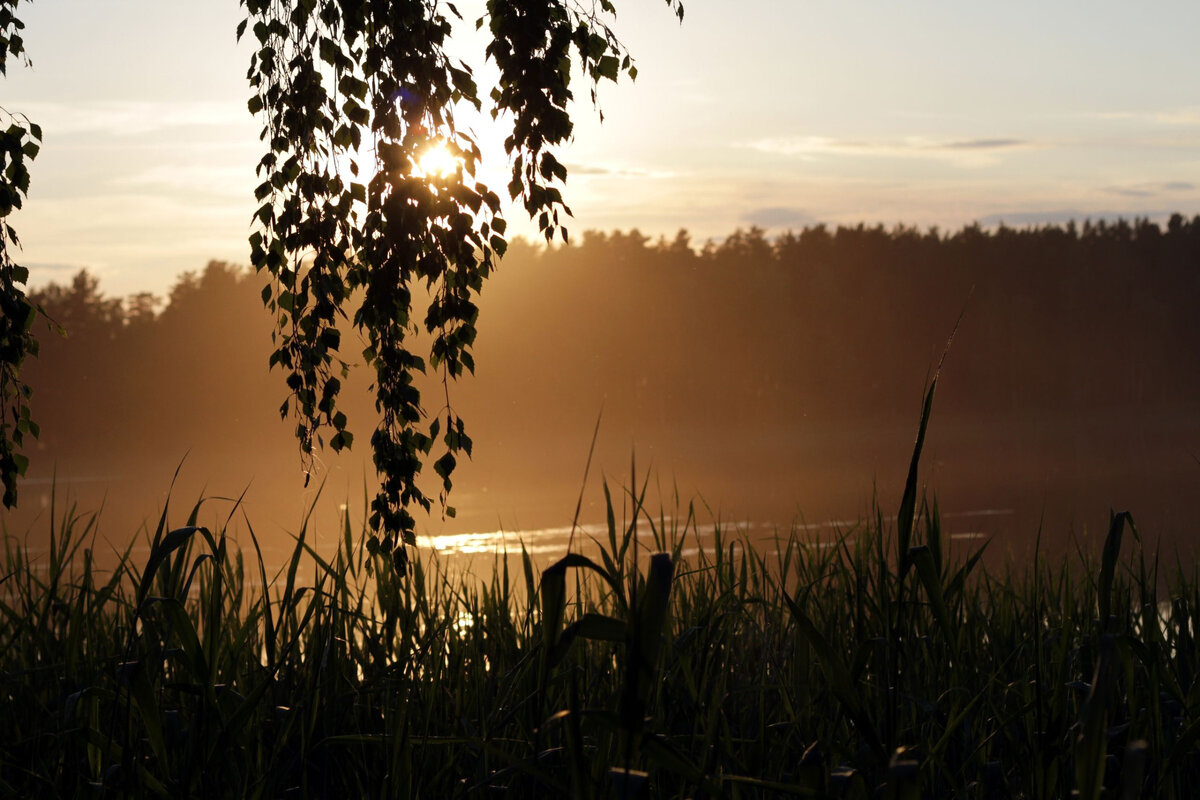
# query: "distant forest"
[[1058, 318], [690, 346]]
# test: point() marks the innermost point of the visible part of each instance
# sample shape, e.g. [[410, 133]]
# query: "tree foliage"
[[19, 143], [352, 92]]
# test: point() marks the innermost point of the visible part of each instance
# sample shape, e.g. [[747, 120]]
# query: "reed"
[[790, 669], [652, 662]]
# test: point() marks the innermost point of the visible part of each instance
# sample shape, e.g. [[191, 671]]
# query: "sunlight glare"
[[438, 160]]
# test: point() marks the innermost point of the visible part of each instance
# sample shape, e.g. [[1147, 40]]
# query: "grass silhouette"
[[873, 665]]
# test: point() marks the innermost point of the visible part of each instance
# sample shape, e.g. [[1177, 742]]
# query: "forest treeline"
[[743, 335]]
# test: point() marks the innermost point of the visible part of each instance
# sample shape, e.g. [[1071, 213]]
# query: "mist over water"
[[769, 383]]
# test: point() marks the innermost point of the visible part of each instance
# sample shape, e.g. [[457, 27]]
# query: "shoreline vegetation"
[[878, 666], [650, 664], [769, 375]]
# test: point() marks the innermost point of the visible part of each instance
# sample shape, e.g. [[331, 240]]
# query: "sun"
[[436, 159]]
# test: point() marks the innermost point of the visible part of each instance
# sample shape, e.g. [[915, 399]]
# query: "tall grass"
[[851, 669], [874, 665]]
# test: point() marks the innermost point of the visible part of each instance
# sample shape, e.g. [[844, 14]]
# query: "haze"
[[769, 382], [740, 363]]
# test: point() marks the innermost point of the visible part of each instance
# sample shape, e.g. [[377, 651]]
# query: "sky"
[[755, 112]]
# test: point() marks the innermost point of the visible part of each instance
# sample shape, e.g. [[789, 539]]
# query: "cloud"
[[778, 217], [1166, 117], [985, 144], [965, 152], [1151, 189], [1130, 191], [614, 172], [1182, 116], [130, 118], [39, 268], [587, 169], [1065, 215]]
